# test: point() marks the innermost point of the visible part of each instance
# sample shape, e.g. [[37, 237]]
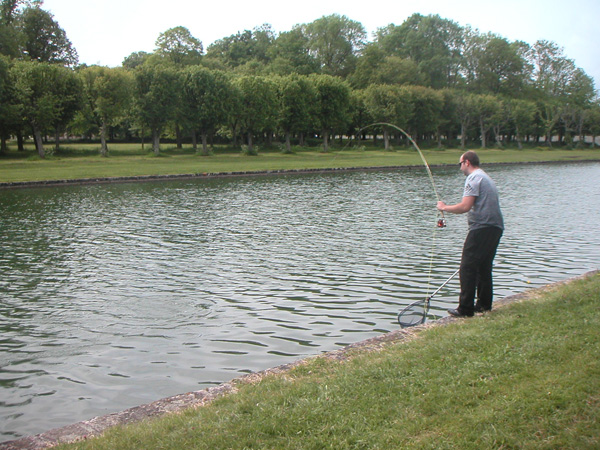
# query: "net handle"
[[413, 309]]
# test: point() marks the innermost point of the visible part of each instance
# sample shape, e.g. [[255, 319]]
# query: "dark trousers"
[[478, 255]]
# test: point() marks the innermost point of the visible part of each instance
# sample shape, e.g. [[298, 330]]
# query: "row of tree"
[[429, 76]]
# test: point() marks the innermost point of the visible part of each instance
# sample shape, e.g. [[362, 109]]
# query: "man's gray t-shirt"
[[486, 210]]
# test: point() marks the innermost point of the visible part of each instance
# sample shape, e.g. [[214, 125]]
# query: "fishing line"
[[441, 223]]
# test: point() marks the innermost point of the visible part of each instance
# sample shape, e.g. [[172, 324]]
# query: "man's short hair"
[[472, 157]]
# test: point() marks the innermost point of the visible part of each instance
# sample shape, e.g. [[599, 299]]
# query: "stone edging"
[[96, 426], [187, 176]]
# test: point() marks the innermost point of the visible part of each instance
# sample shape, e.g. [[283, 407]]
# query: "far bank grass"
[[82, 161], [526, 376]]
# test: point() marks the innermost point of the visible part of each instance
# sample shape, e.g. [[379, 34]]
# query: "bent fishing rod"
[[441, 223], [416, 312]]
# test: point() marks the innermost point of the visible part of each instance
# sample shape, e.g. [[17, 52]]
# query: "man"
[[480, 200]]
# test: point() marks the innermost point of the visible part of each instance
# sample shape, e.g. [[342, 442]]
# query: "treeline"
[[437, 80]]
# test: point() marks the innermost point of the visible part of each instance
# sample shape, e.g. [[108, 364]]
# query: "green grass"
[[81, 161], [526, 376]]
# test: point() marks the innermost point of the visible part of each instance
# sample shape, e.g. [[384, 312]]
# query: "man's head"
[[469, 161]]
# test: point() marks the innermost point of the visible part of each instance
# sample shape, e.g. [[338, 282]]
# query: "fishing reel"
[[441, 223]]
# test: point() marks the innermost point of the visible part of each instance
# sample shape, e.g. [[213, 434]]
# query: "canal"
[[116, 295]]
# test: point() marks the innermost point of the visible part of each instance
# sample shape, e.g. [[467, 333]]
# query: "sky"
[[107, 31]]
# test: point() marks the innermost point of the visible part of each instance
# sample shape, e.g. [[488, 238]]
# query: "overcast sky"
[[105, 32]]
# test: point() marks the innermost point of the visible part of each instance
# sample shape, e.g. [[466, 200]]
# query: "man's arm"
[[460, 208]]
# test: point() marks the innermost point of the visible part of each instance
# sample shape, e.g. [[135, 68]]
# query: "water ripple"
[[113, 296]]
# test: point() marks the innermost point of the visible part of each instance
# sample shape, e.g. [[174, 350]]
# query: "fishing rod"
[[416, 312], [441, 223]]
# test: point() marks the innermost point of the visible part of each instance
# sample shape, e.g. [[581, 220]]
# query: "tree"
[[9, 9], [486, 107], [501, 67], [156, 98], [384, 103], [333, 104], [289, 54], [179, 46], [467, 115], [564, 90], [592, 122], [426, 107], [263, 38], [432, 43], [548, 112], [359, 113], [375, 67], [107, 96], [448, 116], [9, 109], [206, 103], [578, 99], [335, 42], [522, 115], [549, 67], [243, 48], [367, 66], [500, 122], [44, 40], [135, 60], [258, 105], [68, 90], [39, 93], [297, 100], [9, 34]]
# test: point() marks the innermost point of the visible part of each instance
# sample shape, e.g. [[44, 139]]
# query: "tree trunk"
[[250, 149], [518, 138], [581, 141], [178, 136], [20, 142], [39, 144], [204, 144], [103, 145], [57, 139], [155, 141], [386, 139], [549, 138], [325, 140], [497, 136], [463, 137], [234, 134], [483, 133], [288, 145], [194, 141]]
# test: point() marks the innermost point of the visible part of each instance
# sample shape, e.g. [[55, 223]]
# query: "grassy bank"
[[81, 161], [526, 376]]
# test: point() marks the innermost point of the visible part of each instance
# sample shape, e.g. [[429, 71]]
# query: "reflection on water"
[[116, 295]]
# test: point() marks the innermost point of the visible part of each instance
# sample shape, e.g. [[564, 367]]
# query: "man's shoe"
[[480, 309], [457, 313]]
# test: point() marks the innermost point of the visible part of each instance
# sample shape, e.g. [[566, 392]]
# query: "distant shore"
[[127, 166]]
